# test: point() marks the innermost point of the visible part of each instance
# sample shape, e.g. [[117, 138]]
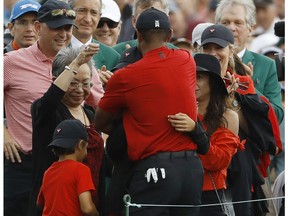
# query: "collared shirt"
[[75, 43], [147, 92], [241, 53], [27, 76]]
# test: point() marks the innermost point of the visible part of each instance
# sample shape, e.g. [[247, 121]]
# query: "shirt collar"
[[75, 43], [241, 53]]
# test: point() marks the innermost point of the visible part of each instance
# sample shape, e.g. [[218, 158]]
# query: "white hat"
[[197, 32], [110, 10]]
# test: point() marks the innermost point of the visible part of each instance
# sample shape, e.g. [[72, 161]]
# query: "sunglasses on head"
[[60, 12], [110, 23]]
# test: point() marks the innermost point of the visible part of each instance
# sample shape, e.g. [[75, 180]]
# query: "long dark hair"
[[217, 106]]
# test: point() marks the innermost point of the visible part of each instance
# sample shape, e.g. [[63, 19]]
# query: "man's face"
[[88, 13], [107, 31], [52, 40], [23, 30], [233, 18]]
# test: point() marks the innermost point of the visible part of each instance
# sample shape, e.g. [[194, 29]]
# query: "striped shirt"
[[27, 76]]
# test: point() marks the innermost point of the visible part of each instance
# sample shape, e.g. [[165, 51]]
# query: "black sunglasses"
[[110, 23]]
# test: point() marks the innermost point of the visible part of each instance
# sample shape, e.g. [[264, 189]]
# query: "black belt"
[[179, 154]]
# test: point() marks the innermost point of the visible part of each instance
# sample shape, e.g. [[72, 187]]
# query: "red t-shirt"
[[160, 84], [62, 184]]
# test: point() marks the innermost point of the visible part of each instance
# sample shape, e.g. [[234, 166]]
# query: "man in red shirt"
[[145, 93]]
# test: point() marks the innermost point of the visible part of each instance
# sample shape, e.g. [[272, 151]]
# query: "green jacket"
[[266, 80], [106, 56], [121, 47]]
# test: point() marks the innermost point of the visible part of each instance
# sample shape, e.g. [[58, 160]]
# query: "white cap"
[[110, 10], [262, 41], [197, 32]]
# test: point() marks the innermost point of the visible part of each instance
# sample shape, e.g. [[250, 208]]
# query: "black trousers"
[[210, 197], [17, 186], [181, 185]]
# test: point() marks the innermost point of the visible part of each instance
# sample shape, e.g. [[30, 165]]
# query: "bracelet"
[[68, 68]]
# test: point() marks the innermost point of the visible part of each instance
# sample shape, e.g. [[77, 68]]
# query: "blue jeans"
[[17, 186]]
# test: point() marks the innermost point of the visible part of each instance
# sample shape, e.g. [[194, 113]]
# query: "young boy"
[[67, 184]]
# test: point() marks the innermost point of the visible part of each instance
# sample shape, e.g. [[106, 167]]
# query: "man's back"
[[161, 83]]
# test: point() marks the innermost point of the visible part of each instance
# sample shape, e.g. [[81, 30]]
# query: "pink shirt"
[[27, 76]]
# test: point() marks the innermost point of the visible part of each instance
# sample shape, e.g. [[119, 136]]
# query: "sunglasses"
[[110, 23], [65, 12], [60, 12]]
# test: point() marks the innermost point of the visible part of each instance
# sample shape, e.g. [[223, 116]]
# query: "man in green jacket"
[[239, 17], [88, 13]]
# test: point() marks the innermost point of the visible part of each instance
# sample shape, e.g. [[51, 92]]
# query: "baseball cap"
[[197, 32], [152, 19], [217, 34], [68, 133], [23, 6], [110, 10], [56, 13], [210, 64], [128, 56], [271, 50]]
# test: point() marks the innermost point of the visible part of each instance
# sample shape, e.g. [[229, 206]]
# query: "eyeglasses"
[[110, 23], [22, 22], [60, 12], [76, 85], [84, 11]]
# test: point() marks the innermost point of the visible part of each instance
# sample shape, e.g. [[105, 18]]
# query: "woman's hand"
[[86, 54], [249, 69], [182, 122], [232, 88]]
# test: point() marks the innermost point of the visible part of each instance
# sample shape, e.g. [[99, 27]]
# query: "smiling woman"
[[63, 100]]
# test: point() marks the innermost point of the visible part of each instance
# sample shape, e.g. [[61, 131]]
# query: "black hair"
[[217, 106], [64, 151], [152, 34]]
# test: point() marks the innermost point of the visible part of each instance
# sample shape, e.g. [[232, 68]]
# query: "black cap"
[[68, 133], [56, 13], [217, 34], [128, 56], [210, 64], [152, 19]]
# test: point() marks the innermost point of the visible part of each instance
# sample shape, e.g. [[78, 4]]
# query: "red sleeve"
[[84, 181], [223, 145]]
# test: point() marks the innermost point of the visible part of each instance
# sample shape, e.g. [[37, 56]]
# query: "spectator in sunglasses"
[[109, 26]]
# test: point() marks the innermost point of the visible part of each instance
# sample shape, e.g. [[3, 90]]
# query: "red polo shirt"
[[160, 84]]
